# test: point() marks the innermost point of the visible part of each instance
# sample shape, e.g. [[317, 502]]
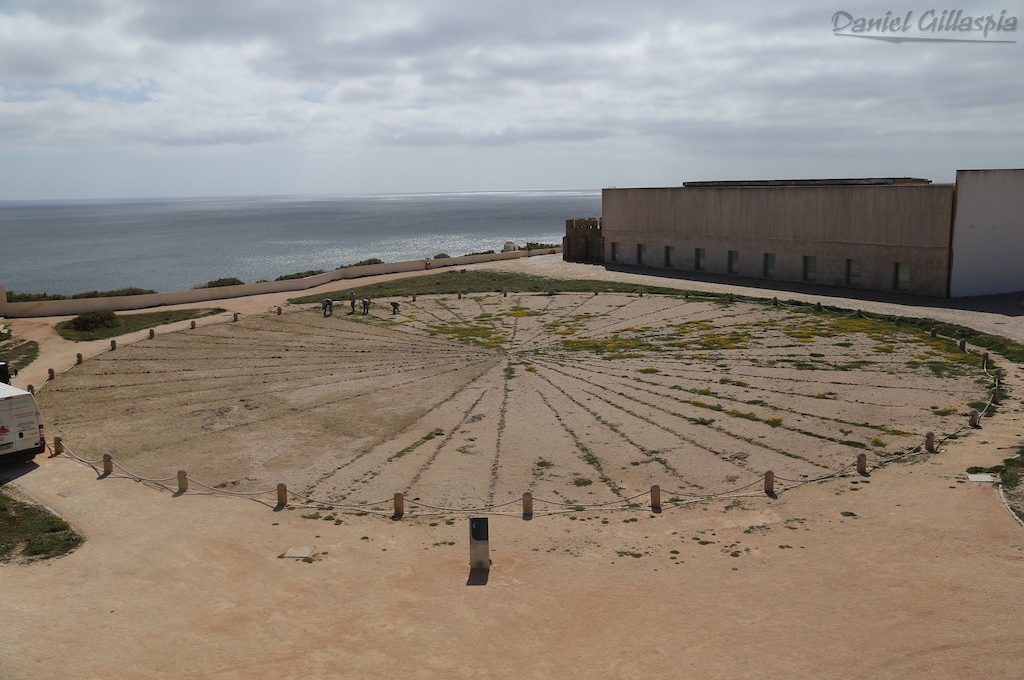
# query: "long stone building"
[[894, 234]]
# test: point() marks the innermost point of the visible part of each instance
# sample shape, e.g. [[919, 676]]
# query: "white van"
[[21, 427]]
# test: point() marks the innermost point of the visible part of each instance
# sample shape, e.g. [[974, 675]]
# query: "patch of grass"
[[481, 335], [486, 281], [299, 275], [582, 481], [544, 463], [118, 292], [33, 297], [220, 283], [878, 443], [32, 533], [19, 353], [948, 411], [510, 372], [1010, 471], [612, 344], [363, 263], [129, 323], [521, 312], [649, 371], [418, 443], [730, 340], [91, 321], [979, 406]]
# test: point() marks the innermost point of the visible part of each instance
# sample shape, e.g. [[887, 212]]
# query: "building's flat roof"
[[839, 181]]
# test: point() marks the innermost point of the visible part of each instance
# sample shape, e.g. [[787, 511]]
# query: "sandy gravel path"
[[908, 573]]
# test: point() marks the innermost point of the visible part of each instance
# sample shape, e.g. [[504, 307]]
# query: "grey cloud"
[[631, 87]]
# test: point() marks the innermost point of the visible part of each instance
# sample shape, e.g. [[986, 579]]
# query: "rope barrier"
[[230, 493], [614, 505]]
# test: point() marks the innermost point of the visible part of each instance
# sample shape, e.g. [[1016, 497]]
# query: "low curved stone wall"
[[126, 302]]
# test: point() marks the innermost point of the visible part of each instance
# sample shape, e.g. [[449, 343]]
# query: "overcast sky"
[[112, 98]]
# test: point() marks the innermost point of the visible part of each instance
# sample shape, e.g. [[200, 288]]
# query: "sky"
[[154, 98]]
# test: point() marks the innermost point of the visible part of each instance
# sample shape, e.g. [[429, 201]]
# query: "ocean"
[[68, 247]]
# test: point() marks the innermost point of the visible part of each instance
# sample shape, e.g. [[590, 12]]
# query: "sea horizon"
[[72, 245]]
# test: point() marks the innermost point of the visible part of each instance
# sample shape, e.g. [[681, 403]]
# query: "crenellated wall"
[[583, 241]]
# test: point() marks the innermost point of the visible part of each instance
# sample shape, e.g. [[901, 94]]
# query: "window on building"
[[698, 259], [810, 268], [901, 276], [639, 253], [668, 257], [769, 265], [734, 261], [614, 255], [853, 273]]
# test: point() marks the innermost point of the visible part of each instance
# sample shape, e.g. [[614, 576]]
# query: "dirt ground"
[[578, 399]]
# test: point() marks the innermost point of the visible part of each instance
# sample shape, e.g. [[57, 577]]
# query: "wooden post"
[[234, 317], [995, 394], [399, 506], [527, 505], [935, 332], [113, 345], [58, 445], [641, 293], [279, 311], [504, 293], [975, 419], [962, 345], [31, 389], [460, 294], [182, 482], [192, 325], [414, 297], [282, 495], [862, 464], [984, 360], [108, 464], [655, 498], [817, 306], [775, 302], [50, 374], [929, 442], [769, 484], [860, 314], [79, 358], [152, 333]]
